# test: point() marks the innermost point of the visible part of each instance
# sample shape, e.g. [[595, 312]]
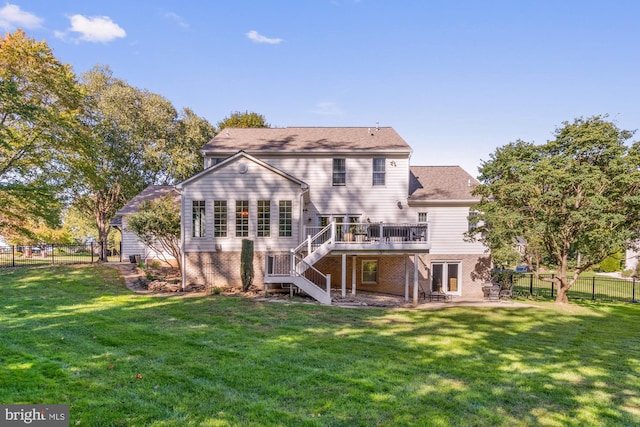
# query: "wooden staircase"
[[301, 272]]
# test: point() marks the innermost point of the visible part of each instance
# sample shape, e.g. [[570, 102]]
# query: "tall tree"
[[40, 102], [137, 138], [578, 193], [243, 120]]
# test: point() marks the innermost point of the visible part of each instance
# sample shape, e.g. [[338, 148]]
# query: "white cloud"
[[254, 36], [11, 17], [177, 19], [94, 29]]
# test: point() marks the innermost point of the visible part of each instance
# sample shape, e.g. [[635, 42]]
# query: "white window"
[[378, 170], [286, 218], [220, 218], [473, 220], [369, 271], [264, 218], [339, 172], [198, 208], [242, 218]]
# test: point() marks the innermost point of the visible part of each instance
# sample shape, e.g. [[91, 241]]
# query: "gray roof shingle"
[[152, 192], [307, 139], [442, 183]]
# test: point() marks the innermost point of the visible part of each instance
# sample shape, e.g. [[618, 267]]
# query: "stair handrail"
[[308, 242], [296, 271]]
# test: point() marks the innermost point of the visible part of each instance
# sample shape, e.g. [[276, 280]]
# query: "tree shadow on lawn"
[[81, 341]]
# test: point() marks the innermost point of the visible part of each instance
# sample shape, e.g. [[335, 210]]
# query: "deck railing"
[[366, 232]]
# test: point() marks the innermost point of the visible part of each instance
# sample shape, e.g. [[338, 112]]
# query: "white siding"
[[447, 226], [359, 196], [131, 245], [230, 183]]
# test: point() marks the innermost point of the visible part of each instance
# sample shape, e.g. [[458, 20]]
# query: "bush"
[[246, 264], [611, 264]]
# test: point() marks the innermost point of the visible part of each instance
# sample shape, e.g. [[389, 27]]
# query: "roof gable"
[[441, 183], [231, 159], [307, 139]]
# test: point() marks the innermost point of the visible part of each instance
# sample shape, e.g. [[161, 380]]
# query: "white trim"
[[445, 287]]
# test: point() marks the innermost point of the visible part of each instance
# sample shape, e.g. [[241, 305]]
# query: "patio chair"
[[492, 291], [506, 291]]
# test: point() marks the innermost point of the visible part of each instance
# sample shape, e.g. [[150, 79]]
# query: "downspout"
[[302, 219], [301, 223]]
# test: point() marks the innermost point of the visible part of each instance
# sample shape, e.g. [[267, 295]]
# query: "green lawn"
[[76, 335]]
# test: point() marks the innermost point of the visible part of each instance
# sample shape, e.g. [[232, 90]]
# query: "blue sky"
[[456, 79]]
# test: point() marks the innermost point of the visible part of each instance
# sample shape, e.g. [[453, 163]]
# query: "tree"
[[157, 225], [40, 102], [243, 120], [578, 193], [136, 138]]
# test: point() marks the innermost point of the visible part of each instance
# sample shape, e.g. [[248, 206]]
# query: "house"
[[131, 245], [329, 210], [631, 259]]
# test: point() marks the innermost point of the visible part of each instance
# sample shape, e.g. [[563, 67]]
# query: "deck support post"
[[406, 278], [353, 275], [415, 279], [344, 275]]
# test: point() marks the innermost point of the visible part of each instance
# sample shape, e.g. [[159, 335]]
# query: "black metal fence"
[[600, 288], [48, 254]]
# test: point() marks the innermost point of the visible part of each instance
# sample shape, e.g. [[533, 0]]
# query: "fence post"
[[531, 285], [593, 288], [53, 250], [13, 255], [633, 291], [91, 252], [552, 290]]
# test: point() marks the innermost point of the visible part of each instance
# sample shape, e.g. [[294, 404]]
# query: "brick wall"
[[391, 272], [221, 269]]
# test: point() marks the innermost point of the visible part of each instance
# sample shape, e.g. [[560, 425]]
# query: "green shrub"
[[246, 264], [611, 263]]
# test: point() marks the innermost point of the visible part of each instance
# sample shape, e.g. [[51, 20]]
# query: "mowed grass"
[[76, 335]]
